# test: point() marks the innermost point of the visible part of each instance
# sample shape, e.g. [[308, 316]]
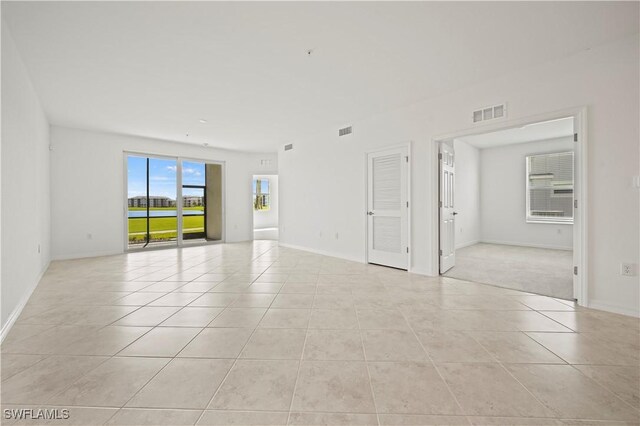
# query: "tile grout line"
[[366, 363], [231, 368], [435, 367], [304, 345]]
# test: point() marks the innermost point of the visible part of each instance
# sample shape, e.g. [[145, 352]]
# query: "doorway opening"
[[265, 207], [507, 207], [172, 202]]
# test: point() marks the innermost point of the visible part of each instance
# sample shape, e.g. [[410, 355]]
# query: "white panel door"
[[388, 207], [447, 213]]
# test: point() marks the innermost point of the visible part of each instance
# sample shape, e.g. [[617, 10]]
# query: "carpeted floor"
[[541, 271]]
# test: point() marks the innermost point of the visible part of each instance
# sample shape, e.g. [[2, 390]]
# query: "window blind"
[[550, 187]]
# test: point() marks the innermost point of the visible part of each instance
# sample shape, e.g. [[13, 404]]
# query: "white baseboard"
[[511, 243], [616, 309], [86, 255], [353, 259], [467, 244], [18, 309], [322, 252]]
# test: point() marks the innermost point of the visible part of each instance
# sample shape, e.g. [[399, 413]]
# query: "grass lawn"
[[164, 228]]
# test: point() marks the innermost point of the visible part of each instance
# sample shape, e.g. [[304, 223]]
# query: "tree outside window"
[[261, 198]]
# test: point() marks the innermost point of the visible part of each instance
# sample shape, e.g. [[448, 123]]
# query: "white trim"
[[580, 230], [341, 256], [366, 200], [85, 254], [20, 306], [179, 202], [322, 252], [541, 246], [467, 244], [606, 306]]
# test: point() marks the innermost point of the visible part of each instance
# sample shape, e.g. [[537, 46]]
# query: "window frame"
[[551, 219]]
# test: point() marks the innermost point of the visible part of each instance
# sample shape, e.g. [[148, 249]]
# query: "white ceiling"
[[529, 133], [155, 68]]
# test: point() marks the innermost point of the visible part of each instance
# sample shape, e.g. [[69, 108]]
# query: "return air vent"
[[288, 147], [489, 113], [345, 131]]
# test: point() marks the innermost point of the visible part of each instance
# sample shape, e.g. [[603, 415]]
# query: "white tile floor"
[[257, 334]]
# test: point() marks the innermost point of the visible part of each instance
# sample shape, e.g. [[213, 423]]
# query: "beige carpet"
[[541, 271]]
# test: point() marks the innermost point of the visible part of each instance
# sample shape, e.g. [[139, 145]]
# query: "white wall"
[[467, 193], [605, 79], [503, 200], [25, 185], [268, 218], [88, 188]]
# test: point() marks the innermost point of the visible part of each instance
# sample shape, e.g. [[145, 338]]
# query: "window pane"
[[193, 209], [550, 187], [163, 223], [137, 200], [193, 173], [261, 198]]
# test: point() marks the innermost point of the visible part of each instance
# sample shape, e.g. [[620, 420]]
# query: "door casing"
[[580, 229]]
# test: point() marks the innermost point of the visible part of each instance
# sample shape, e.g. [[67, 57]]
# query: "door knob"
[[455, 213], [370, 213]]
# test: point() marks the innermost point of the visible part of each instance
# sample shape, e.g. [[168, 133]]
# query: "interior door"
[[388, 207], [447, 203]]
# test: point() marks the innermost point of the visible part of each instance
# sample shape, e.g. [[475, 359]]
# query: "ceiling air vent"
[[489, 113], [345, 131], [288, 147]]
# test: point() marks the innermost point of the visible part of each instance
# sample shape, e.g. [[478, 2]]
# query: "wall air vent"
[[345, 131], [489, 113], [288, 147]]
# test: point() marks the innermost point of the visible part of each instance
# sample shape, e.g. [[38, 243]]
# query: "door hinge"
[[575, 204], [575, 270], [407, 249], [407, 204], [406, 158], [440, 204], [440, 156], [575, 137], [440, 252]]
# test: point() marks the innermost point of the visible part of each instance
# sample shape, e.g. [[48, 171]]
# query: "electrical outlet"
[[628, 269]]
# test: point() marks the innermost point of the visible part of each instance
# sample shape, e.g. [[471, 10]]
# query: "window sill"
[[550, 222]]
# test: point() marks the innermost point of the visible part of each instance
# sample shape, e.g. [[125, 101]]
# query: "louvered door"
[[447, 213], [387, 208]]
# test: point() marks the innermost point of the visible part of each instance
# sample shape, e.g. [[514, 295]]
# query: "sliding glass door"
[[152, 209], [171, 201]]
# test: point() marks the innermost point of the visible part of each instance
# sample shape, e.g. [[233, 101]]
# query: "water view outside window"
[[261, 198], [151, 193]]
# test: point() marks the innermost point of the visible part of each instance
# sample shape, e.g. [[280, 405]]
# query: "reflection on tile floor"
[[253, 333]]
